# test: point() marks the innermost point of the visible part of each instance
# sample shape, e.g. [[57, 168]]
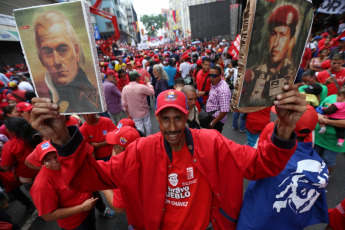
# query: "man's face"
[[172, 123], [279, 42], [112, 78], [341, 44], [206, 65], [214, 80], [336, 65], [58, 54], [191, 99]]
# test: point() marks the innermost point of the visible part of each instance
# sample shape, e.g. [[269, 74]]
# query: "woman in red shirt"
[[19, 146], [54, 200]]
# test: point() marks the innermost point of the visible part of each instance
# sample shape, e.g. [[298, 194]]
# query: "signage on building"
[[7, 36], [7, 20]]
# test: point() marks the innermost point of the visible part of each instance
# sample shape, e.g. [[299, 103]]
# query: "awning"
[[6, 35]]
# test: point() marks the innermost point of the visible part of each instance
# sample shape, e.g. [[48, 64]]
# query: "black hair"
[[234, 63], [120, 71], [29, 94], [7, 110], [133, 77], [179, 81], [171, 62], [22, 130], [206, 59], [308, 73], [217, 68]]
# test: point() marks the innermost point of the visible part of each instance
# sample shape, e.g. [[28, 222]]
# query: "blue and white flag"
[[292, 200]]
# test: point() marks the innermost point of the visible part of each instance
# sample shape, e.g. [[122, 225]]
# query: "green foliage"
[[155, 21]]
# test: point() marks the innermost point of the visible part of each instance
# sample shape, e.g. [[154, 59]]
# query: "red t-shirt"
[[189, 196], [257, 121], [9, 180], [117, 199], [339, 76], [200, 79], [49, 193], [143, 73], [96, 133], [14, 153], [4, 131], [306, 57], [122, 82]]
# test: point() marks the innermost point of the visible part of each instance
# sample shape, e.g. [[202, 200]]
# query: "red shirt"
[[122, 82], [306, 57], [257, 121], [200, 79], [189, 196], [96, 133], [339, 76], [49, 193], [143, 73], [14, 153], [117, 199]]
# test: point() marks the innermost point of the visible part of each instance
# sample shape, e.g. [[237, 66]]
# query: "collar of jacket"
[[189, 142]]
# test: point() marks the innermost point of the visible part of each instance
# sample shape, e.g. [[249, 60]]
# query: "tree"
[[153, 23]]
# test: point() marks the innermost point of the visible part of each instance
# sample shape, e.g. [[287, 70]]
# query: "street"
[[335, 191]]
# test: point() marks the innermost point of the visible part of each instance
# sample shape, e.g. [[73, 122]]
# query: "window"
[[107, 9], [108, 25]]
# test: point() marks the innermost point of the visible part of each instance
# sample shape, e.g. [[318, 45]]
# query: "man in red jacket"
[[178, 178]]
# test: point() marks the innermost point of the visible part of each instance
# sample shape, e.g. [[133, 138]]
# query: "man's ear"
[[76, 49]]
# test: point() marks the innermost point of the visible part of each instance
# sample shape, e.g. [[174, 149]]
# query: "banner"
[[142, 32], [174, 15], [234, 49], [96, 32], [332, 7], [135, 26]]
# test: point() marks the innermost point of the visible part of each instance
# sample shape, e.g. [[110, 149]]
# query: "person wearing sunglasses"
[[219, 99]]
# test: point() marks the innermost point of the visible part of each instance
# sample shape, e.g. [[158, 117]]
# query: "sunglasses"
[[213, 75]]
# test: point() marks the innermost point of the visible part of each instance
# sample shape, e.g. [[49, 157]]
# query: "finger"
[[292, 100], [36, 112], [291, 87], [40, 100], [48, 105], [290, 93], [38, 123], [293, 107]]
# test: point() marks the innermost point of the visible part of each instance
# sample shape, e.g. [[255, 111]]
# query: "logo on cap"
[[104, 132], [119, 125], [123, 140], [45, 146], [170, 96]]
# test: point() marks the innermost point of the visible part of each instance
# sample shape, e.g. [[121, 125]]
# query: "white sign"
[[7, 20], [332, 7]]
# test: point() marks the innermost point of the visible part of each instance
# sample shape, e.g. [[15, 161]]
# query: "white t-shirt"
[[185, 68]]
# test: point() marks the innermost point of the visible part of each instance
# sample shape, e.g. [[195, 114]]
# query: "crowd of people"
[[188, 175]]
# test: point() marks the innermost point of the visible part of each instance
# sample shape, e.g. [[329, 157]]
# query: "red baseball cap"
[[110, 72], [2, 84], [138, 64], [125, 122], [123, 136], [307, 122], [172, 98], [43, 149], [24, 106], [199, 62]]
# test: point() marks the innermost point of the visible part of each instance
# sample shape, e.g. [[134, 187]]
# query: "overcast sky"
[[149, 7]]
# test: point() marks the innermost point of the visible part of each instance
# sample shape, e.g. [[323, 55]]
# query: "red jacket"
[[142, 172]]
